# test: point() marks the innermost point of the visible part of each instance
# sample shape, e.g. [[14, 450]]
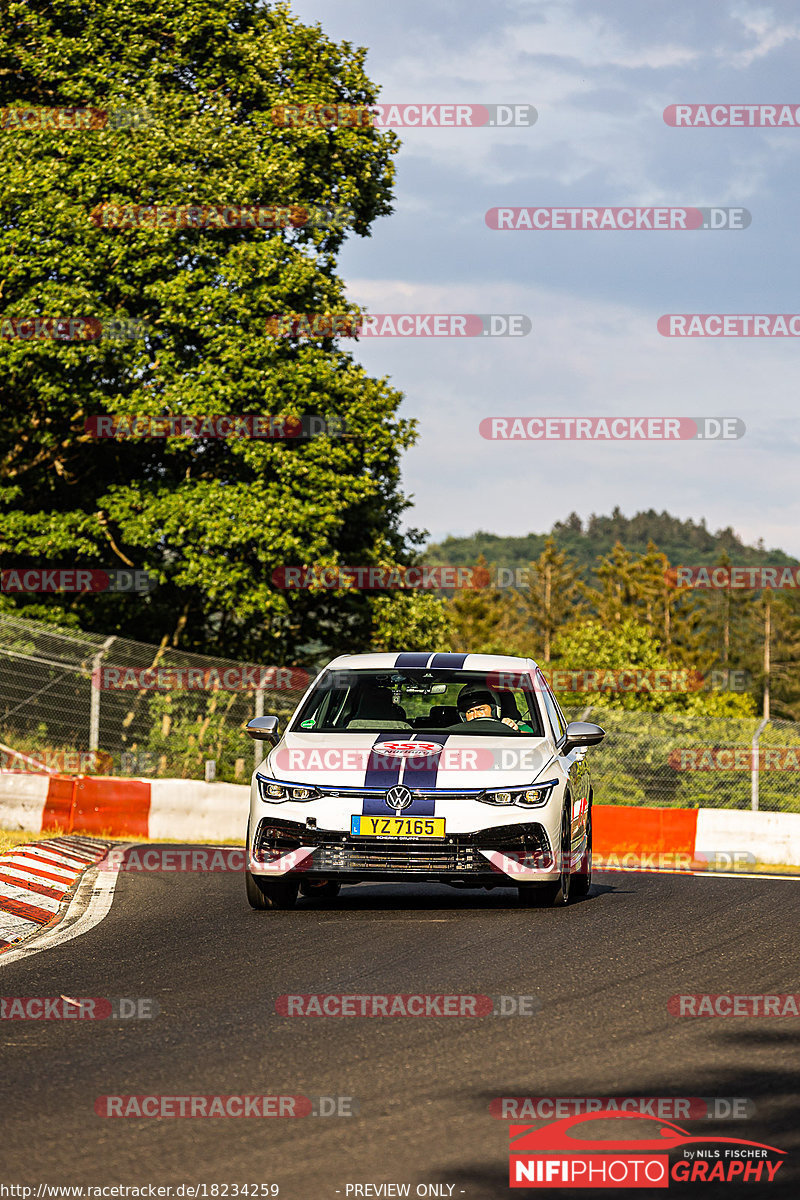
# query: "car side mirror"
[[582, 733], [264, 729]]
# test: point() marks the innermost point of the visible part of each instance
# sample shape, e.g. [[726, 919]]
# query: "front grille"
[[397, 855], [458, 855]]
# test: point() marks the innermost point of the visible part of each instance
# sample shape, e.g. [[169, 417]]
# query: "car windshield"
[[477, 703]]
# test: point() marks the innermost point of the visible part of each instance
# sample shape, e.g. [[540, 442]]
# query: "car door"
[[575, 766]]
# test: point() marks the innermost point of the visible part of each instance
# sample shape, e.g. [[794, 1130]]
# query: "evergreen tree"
[[482, 619], [554, 597]]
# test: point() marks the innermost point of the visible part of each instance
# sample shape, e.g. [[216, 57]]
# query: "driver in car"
[[479, 703]]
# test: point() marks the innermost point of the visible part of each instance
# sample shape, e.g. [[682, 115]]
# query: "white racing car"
[[457, 768]]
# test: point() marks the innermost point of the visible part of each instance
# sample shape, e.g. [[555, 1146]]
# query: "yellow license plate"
[[424, 827]]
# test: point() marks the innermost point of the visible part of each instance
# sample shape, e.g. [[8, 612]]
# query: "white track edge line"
[[698, 874]]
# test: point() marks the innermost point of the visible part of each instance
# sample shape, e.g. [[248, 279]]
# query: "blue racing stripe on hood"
[[423, 776], [382, 771], [423, 772]]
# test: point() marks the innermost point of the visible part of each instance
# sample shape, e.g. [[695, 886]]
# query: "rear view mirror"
[[264, 729], [582, 733]]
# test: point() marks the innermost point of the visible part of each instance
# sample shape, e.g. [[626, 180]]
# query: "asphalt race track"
[[602, 971]]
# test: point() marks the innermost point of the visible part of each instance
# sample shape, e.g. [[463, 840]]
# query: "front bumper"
[[496, 856]]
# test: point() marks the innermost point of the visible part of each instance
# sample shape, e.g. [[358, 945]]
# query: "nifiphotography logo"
[[557, 1155]]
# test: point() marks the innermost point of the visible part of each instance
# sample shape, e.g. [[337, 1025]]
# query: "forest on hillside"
[[584, 540]]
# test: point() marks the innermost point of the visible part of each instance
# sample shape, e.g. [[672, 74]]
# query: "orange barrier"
[[97, 804], [620, 830], [122, 807]]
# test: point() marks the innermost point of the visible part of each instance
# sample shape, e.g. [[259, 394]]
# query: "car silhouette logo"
[[557, 1136], [398, 797]]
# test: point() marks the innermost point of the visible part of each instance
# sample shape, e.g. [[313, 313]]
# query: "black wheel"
[[270, 893], [582, 881], [556, 894], [323, 889]]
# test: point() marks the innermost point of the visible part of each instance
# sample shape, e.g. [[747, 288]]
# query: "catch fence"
[[80, 703]]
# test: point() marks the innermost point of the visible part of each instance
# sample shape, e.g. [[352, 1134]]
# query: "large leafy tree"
[[210, 519], [596, 646]]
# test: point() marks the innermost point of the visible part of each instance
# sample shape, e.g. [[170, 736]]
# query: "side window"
[[553, 711], [563, 719]]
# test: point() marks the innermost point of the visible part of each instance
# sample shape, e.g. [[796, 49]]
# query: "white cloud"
[[766, 35], [584, 358], [600, 73]]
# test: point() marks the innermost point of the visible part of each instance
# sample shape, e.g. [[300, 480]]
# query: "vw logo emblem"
[[398, 797]]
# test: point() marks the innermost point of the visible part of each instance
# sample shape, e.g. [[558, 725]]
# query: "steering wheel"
[[484, 725]]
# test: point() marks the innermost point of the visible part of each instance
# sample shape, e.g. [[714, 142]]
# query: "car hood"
[[455, 761]]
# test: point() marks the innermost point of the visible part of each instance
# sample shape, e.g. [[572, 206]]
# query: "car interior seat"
[[442, 715], [377, 710]]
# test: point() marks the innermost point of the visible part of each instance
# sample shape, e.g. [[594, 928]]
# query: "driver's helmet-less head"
[[471, 696]]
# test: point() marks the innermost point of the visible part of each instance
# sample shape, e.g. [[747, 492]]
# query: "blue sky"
[[600, 75]]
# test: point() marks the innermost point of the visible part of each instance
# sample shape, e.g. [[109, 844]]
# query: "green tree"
[[785, 682], [482, 619], [410, 621], [554, 596], [730, 624], [619, 595], [594, 646], [210, 519]]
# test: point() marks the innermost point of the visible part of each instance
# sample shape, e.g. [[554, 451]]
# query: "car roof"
[[433, 660]]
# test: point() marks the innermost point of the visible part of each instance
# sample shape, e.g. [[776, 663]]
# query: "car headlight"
[[275, 792], [530, 797]]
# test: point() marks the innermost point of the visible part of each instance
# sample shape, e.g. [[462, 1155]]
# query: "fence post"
[[258, 749], [754, 765], [94, 708]]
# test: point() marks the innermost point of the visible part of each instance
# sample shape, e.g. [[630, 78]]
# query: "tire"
[[263, 894], [582, 881], [558, 893], [328, 889], [270, 893]]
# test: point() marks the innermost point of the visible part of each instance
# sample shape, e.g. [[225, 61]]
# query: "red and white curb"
[[38, 881]]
